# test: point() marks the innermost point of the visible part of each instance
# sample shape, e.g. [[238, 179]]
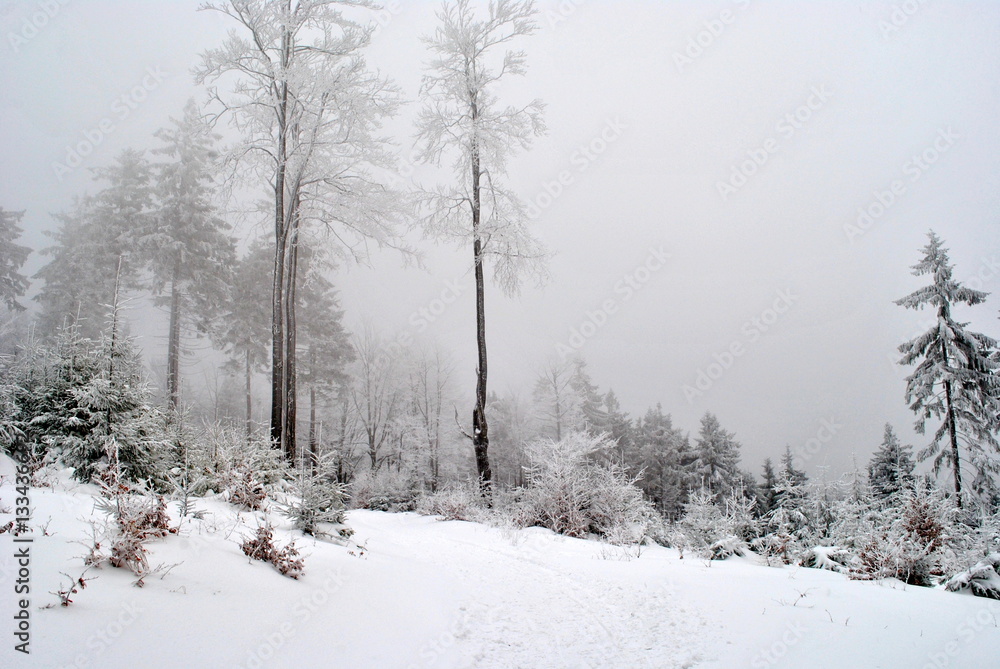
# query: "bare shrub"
[[261, 547]]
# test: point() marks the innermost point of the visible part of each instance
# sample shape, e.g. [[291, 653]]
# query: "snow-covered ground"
[[424, 593]]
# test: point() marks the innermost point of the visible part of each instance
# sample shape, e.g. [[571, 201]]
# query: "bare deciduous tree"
[[462, 118], [309, 113], [374, 395]]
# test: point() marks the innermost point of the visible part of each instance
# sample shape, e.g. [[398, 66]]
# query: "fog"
[[732, 192]]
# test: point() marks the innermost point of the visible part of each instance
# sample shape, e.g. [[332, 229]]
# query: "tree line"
[[292, 84]]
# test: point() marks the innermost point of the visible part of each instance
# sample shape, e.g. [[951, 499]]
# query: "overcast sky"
[[654, 110]]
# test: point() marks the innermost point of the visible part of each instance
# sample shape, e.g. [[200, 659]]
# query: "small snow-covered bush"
[[618, 510], [913, 544], [460, 501], [708, 530], [243, 468], [826, 557], [137, 517], [261, 547], [570, 493], [243, 489], [982, 579], [316, 498], [662, 532], [384, 490], [785, 535]]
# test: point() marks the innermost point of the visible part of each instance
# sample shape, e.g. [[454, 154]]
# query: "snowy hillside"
[[417, 592]]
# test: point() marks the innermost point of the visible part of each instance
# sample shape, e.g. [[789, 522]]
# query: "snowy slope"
[[425, 593]]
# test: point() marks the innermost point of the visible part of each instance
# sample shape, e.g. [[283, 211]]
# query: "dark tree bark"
[[277, 299], [952, 434], [480, 427], [313, 436], [249, 395], [174, 346], [289, 389]]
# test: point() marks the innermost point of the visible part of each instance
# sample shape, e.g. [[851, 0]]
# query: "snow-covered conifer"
[[955, 380]]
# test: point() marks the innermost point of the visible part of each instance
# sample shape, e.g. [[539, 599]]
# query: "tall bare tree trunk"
[[290, 387], [480, 428], [436, 437], [174, 346], [277, 301], [313, 436], [249, 394]]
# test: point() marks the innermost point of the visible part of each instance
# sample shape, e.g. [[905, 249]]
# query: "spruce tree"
[[593, 416], [663, 455], [324, 347], [718, 457], [95, 243], [12, 258], [791, 484], [243, 329], [619, 427], [767, 491], [127, 439], [183, 244], [955, 379], [891, 468]]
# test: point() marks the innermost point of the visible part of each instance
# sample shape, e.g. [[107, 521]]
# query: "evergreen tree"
[[789, 472], [323, 343], [791, 489], [767, 491], [593, 416], [891, 468], [12, 258], [127, 439], [95, 243], [664, 457], [619, 427], [243, 330], [955, 379], [46, 380], [183, 244], [718, 457], [86, 402]]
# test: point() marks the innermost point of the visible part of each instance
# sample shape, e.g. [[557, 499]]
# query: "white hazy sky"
[[679, 119]]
